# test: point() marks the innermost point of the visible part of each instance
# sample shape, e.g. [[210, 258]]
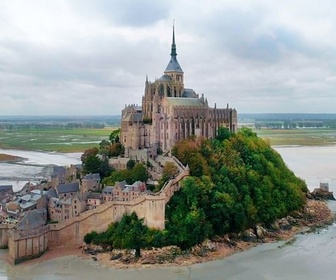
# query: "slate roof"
[[134, 117], [32, 219], [108, 190], [6, 189], [173, 66], [91, 176], [67, 188], [165, 78], [189, 93], [94, 195], [52, 193], [59, 169]]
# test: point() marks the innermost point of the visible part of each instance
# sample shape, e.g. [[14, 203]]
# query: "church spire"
[[173, 46], [173, 65]]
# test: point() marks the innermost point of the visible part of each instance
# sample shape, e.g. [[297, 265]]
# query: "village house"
[[36, 199], [67, 190], [90, 182], [60, 209], [69, 200], [5, 191], [121, 191], [58, 176], [92, 200]]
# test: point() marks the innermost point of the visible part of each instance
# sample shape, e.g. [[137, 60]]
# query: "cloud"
[[64, 57]]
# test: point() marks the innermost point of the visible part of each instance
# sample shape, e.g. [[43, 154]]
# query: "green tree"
[[169, 171], [115, 136], [130, 164], [223, 134], [129, 233]]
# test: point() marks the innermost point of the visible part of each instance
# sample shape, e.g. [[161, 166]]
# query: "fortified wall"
[[4, 228], [151, 208], [26, 244]]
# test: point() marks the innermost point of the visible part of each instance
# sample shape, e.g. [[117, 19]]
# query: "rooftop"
[[182, 101], [67, 188]]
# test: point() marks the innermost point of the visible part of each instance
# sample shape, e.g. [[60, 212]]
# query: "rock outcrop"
[[320, 194]]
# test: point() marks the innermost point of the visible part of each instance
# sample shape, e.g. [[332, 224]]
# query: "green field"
[[302, 137], [78, 140], [59, 140]]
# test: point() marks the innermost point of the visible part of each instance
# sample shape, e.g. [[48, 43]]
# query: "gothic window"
[[161, 90]]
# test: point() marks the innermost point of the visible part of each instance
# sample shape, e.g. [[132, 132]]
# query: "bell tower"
[[174, 70]]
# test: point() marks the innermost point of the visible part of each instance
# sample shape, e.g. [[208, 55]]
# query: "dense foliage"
[[136, 173], [112, 147], [129, 233], [237, 181], [93, 163], [95, 160]]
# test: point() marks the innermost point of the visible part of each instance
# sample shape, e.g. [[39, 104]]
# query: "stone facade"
[[170, 113], [121, 191]]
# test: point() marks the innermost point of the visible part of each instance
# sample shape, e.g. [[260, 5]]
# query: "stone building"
[[121, 191], [29, 238], [90, 182], [170, 113]]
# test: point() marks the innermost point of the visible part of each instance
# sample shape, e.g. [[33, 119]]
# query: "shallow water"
[[310, 257], [314, 164], [32, 167]]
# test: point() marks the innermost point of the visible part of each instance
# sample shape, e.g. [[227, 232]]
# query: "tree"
[[114, 136], [91, 164], [130, 164], [116, 149], [130, 233], [169, 171], [223, 134], [89, 152], [139, 173]]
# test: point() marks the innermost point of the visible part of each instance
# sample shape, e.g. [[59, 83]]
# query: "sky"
[[83, 57]]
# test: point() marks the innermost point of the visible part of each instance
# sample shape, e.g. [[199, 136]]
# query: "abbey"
[[170, 113]]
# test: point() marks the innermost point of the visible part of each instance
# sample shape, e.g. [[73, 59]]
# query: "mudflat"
[[9, 158]]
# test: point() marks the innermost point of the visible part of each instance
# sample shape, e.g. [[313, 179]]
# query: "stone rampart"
[[4, 228], [71, 233], [25, 245]]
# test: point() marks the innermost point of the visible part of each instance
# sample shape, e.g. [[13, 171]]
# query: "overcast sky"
[[76, 57]]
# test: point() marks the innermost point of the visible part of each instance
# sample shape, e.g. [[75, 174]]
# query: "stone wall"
[[70, 233], [4, 228], [24, 246]]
